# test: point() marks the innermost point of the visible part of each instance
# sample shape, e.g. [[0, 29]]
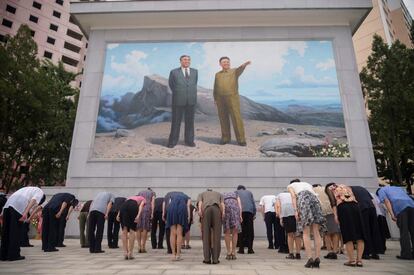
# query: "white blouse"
[[301, 186]]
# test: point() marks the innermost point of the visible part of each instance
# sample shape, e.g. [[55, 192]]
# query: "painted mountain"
[[153, 105]]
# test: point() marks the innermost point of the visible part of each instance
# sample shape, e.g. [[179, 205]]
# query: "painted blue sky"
[[280, 70]]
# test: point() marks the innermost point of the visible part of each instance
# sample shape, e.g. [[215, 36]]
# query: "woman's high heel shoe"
[[316, 262], [309, 264]]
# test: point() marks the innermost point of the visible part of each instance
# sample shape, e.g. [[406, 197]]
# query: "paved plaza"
[[75, 260]]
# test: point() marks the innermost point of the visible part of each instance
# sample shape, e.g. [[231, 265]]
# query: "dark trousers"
[[384, 233], [275, 232], [10, 237], [24, 239], [61, 227], [270, 221], [157, 222], [96, 228], [405, 222], [50, 226], [211, 224], [371, 231], [113, 230], [247, 234], [167, 239], [177, 114]]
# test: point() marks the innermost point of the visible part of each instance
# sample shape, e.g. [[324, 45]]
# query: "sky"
[[280, 70], [410, 6]]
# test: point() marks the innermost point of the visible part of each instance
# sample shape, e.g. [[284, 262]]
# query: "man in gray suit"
[[183, 84]]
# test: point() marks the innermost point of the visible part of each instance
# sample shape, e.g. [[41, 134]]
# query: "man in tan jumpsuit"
[[227, 100]]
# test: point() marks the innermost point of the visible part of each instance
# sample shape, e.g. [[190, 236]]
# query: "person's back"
[[158, 204], [397, 196], [58, 199], [268, 202], [100, 202], [363, 197], [247, 201]]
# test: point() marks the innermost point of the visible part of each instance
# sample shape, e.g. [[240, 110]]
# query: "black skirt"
[[350, 222], [128, 213], [289, 224]]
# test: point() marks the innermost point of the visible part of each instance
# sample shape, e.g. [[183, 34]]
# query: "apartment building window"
[[34, 18], [60, 2], [32, 33], [51, 40], [3, 38], [7, 23], [53, 27], [37, 5], [69, 61], [74, 34], [48, 54], [71, 47], [56, 14], [10, 9]]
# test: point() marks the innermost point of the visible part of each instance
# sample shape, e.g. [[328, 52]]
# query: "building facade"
[[389, 19], [57, 36]]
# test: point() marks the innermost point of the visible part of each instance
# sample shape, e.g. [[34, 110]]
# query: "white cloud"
[[324, 66], [115, 83], [268, 58], [302, 80], [112, 46], [132, 65]]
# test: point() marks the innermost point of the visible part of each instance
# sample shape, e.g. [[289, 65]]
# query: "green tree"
[[37, 112], [388, 87]]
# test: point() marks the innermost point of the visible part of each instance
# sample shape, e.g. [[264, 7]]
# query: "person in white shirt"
[[15, 213], [275, 233], [309, 218], [286, 213]]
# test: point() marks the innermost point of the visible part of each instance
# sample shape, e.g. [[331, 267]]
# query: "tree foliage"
[[388, 86], [37, 112]]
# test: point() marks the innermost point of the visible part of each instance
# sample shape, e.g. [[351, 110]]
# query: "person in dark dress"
[[178, 215], [113, 224], [370, 223], [348, 216], [157, 223], [52, 213], [165, 205]]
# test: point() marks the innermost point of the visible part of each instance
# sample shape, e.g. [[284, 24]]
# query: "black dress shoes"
[[51, 250]]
